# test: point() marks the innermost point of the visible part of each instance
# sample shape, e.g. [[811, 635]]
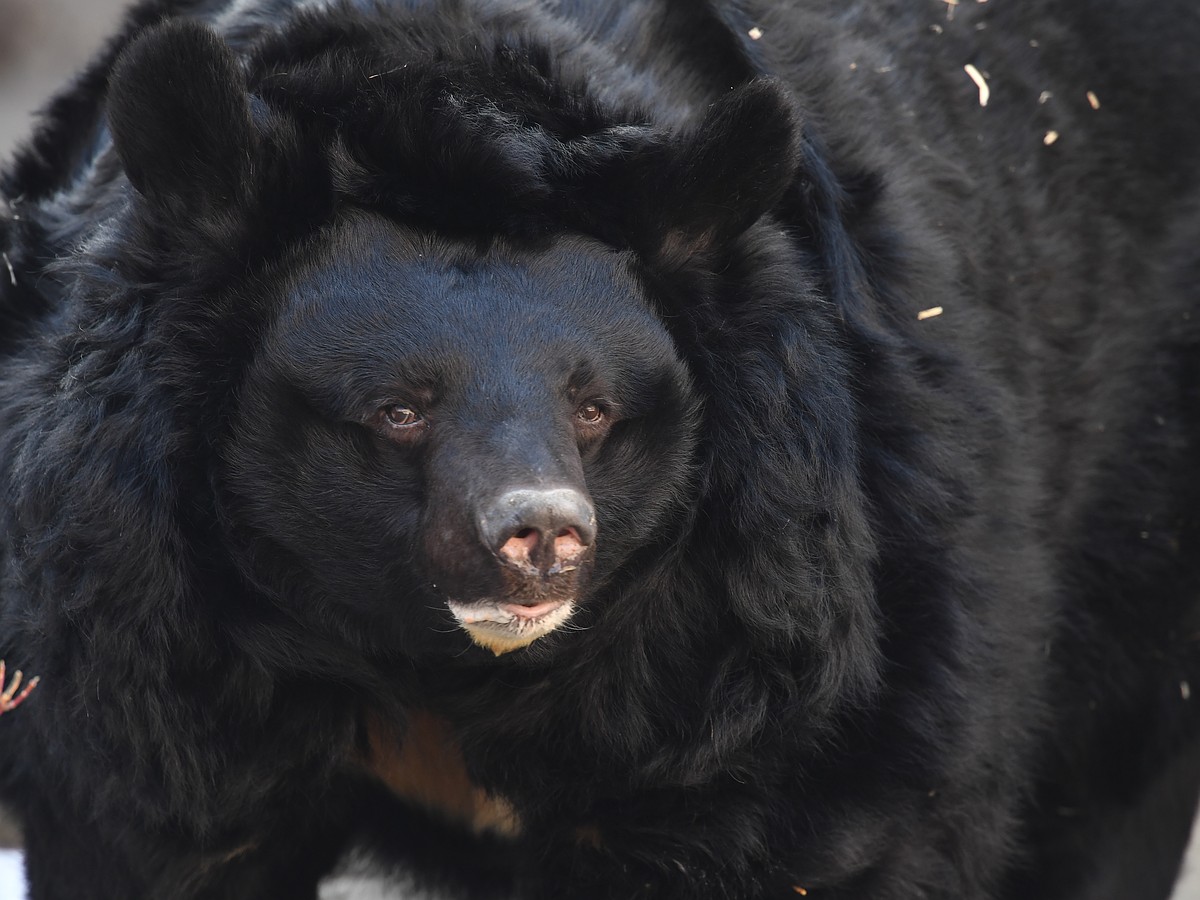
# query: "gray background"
[[41, 43]]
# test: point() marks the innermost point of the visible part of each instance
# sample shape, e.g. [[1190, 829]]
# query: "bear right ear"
[[179, 111], [727, 173]]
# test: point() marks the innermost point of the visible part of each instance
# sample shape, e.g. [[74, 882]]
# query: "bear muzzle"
[[543, 540]]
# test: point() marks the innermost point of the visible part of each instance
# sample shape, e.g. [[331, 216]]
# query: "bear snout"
[[542, 532]]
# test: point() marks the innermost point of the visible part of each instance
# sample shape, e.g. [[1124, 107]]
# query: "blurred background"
[[42, 42]]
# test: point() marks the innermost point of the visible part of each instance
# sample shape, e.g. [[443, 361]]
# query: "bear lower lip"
[[535, 611], [502, 626], [503, 613]]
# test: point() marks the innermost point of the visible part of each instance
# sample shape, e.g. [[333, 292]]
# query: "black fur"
[[880, 607]]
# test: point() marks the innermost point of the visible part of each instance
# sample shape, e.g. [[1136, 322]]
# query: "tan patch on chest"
[[426, 769]]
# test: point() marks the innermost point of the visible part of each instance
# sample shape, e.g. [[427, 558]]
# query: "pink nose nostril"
[[568, 546], [519, 548], [543, 530]]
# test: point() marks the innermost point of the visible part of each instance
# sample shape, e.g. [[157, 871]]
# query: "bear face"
[[482, 438], [414, 365]]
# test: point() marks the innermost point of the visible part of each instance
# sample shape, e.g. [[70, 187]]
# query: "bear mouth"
[[505, 625]]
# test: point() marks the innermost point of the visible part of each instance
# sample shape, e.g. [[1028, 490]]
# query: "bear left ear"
[[179, 110], [727, 173]]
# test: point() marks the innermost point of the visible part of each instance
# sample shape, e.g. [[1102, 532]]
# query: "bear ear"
[[727, 173], [179, 111]]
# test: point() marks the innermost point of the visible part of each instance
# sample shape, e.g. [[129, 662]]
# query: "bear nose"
[[546, 530]]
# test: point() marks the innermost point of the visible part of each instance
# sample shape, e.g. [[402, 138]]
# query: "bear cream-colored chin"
[[504, 627]]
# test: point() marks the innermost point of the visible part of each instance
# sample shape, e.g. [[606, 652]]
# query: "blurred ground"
[[41, 43]]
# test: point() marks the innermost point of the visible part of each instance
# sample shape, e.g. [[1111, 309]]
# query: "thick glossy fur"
[[879, 605]]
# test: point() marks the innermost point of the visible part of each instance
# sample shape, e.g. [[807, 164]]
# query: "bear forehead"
[[373, 293]]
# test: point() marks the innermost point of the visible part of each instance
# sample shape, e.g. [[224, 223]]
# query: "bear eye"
[[590, 413], [397, 416]]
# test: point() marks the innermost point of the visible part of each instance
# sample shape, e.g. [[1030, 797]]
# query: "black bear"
[[694, 449]]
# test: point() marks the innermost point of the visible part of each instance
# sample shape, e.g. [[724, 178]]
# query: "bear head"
[[427, 311]]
